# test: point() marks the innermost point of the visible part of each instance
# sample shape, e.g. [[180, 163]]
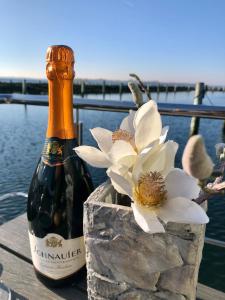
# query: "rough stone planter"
[[125, 263]]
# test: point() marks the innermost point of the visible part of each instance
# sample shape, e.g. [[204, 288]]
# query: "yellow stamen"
[[150, 190], [123, 135]]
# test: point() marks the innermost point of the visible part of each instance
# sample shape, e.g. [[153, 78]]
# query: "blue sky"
[[165, 40]]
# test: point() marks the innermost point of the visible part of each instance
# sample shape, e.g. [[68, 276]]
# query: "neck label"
[[53, 152]]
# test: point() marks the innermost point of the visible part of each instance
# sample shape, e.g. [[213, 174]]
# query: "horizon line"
[[109, 80]]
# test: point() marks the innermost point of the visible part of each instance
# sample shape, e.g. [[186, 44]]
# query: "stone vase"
[[125, 263]]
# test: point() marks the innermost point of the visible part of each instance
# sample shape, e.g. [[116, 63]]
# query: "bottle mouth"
[[59, 53]]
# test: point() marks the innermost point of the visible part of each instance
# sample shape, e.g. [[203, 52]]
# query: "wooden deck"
[[17, 273], [17, 270]]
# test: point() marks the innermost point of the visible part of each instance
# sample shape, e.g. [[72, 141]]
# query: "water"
[[22, 133], [211, 98]]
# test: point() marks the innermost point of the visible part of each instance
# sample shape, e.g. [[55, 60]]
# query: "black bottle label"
[[53, 153]]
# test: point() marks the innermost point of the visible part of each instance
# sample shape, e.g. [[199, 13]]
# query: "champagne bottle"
[[60, 184]]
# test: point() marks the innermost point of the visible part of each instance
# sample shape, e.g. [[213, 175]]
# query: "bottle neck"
[[60, 117]]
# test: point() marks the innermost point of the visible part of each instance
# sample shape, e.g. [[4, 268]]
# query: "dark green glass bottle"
[[60, 184]]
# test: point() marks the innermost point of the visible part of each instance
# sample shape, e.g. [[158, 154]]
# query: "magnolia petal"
[[147, 219], [148, 125], [170, 154], [149, 105], [118, 169], [158, 141], [127, 161], [123, 153], [122, 171], [145, 155], [120, 184], [93, 156], [103, 137], [127, 123], [182, 210], [180, 184], [163, 136], [151, 145], [161, 160]]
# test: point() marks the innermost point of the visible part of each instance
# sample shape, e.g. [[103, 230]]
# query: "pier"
[[84, 87], [14, 247]]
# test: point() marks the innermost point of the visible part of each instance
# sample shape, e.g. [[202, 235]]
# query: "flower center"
[[151, 190], [123, 135]]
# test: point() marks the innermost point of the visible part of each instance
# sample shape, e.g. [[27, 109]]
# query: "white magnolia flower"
[[137, 131], [159, 191]]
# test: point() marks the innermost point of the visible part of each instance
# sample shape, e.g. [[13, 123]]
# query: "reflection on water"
[[211, 98], [22, 133]]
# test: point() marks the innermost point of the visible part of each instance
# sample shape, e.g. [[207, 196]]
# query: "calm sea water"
[[22, 134]]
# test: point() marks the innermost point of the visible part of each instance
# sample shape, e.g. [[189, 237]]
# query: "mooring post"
[[149, 87], [120, 90], [24, 86], [223, 129], [167, 88], [158, 88], [103, 89], [199, 95], [80, 133], [82, 88], [175, 89], [158, 91]]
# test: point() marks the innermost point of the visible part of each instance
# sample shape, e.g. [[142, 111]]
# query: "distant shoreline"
[[82, 88]]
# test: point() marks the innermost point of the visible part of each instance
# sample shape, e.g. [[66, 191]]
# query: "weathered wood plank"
[[19, 276], [207, 293], [14, 236]]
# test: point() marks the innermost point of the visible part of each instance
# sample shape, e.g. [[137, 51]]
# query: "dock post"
[[77, 123], [158, 91], [175, 89], [148, 87], [82, 88], [199, 95], [103, 89], [223, 129], [80, 133], [120, 90], [167, 88], [24, 86], [167, 92]]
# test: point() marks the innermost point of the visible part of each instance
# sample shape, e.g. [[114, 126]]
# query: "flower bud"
[[196, 162], [220, 148], [222, 156], [136, 93]]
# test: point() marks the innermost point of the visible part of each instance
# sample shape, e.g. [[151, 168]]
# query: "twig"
[[141, 85], [211, 189]]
